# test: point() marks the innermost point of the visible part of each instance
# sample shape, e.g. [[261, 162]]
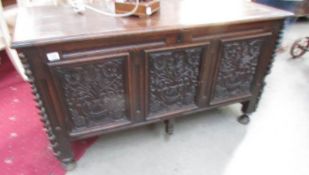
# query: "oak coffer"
[[93, 74]]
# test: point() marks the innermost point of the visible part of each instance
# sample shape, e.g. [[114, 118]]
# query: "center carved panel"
[[173, 79], [238, 64], [94, 93]]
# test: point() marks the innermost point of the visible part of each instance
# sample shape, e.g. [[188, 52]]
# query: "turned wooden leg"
[[169, 126], [69, 164], [247, 107], [57, 136], [244, 119]]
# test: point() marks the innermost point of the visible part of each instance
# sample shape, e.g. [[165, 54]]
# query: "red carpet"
[[24, 147]]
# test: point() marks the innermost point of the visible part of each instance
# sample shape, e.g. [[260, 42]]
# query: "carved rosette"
[[94, 92], [238, 64], [173, 79]]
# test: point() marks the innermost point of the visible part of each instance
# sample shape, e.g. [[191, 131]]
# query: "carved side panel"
[[237, 69], [94, 92], [173, 77], [58, 141]]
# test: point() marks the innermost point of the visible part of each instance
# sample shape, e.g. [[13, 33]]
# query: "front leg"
[[69, 164], [169, 126], [243, 119], [57, 136], [247, 108]]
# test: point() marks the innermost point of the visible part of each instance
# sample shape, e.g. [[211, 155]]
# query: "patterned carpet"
[[24, 147]]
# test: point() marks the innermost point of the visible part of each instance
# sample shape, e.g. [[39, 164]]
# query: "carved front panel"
[[237, 68], [173, 79], [94, 92]]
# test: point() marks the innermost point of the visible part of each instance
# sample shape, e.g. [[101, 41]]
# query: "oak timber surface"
[[51, 24]]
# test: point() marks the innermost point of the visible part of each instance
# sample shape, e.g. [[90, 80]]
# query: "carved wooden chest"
[[93, 74]]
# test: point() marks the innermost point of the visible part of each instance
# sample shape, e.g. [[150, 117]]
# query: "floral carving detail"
[[173, 79], [94, 93], [239, 60]]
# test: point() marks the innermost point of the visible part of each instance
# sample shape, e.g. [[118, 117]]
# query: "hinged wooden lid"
[[51, 24]]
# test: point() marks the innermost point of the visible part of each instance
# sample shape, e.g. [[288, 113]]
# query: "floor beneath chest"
[[213, 143]]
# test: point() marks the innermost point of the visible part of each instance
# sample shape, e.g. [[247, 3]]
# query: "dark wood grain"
[[120, 73], [237, 67], [42, 25], [172, 78], [94, 91]]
